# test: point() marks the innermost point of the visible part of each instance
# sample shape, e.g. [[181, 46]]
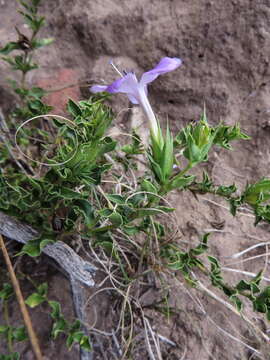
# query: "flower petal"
[[128, 84], [165, 65], [98, 88]]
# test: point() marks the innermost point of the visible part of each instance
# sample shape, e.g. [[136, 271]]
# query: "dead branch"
[[65, 256]]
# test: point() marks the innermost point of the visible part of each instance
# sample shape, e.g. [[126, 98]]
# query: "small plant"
[[72, 331], [87, 184], [12, 334]]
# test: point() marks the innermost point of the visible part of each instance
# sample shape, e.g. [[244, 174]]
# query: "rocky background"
[[225, 50]]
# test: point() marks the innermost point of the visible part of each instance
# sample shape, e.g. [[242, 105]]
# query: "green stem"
[[25, 59], [188, 167], [9, 335], [103, 228], [166, 188]]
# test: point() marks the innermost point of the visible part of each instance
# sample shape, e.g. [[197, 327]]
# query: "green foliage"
[[255, 196], [260, 298], [13, 356], [161, 157], [257, 193], [38, 43], [30, 14], [185, 262], [38, 297], [10, 333], [68, 197], [13, 333], [18, 63], [72, 331], [225, 134], [196, 140], [136, 146], [7, 292], [207, 186], [9, 47]]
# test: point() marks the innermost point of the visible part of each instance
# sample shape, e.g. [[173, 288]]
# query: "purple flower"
[[137, 90]]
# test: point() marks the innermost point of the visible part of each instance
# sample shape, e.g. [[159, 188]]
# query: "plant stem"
[[24, 73], [166, 188], [188, 167], [6, 317], [24, 311]]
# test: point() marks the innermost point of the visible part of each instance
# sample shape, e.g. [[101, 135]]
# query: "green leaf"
[[156, 169], [13, 356], [43, 289], [105, 212], [237, 302], [7, 292], [257, 193], [226, 191], [107, 246], [9, 60], [35, 300], [202, 247], [36, 92], [70, 341], [36, 2], [225, 134], [73, 108], [3, 329], [38, 43], [81, 339], [59, 327], [108, 144], [167, 157], [75, 326], [165, 209], [11, 46], [149, 187], [34, 247], [37, 105], [117, 199], [196, 140], [20, 334], [130, 230], [258, 278], [243, 286], [56, 309], [85, 208], [85, 343], [214, 262], [66, 193], [35, 22], [19, 63], [181, 182], [25, 5], [116, 219], [136, 147]]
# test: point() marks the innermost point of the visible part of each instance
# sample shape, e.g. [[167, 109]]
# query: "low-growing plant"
[[75, 180]]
